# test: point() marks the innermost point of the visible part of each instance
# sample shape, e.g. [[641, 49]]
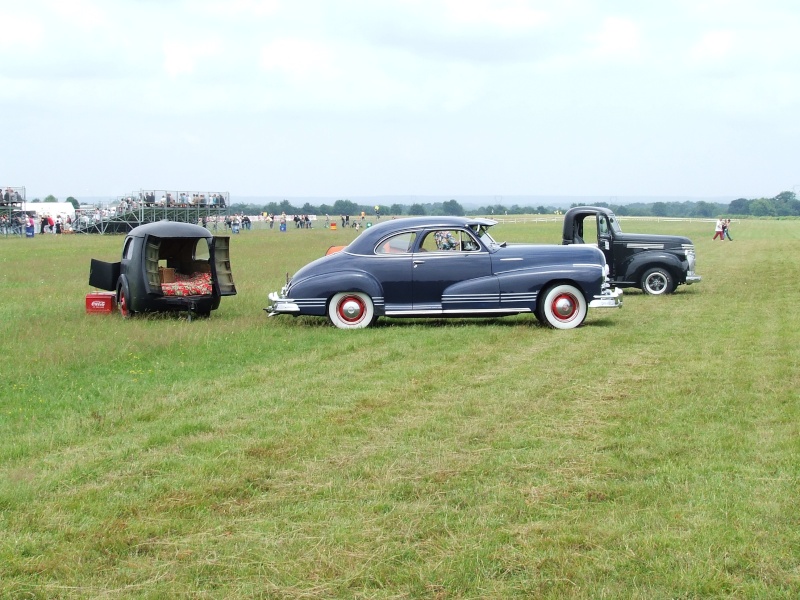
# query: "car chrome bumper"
[[611, 298], [690, 279], [281, 306]]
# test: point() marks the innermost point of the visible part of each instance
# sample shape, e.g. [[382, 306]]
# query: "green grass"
[[651, 453]]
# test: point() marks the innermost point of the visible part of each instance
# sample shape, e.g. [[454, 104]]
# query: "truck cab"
[[168, 266], [656, 264]]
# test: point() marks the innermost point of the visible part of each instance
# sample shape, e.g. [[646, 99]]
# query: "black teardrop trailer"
[[168, 266]]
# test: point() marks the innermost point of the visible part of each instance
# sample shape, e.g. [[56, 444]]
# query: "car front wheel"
[[657, 282], [351, 310], [562, 307]]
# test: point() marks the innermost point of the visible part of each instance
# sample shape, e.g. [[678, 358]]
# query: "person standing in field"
[[718, 231], [727, 228]]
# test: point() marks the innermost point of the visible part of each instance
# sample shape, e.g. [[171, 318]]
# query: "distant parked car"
[[447, 267], [168, 266], [656, 264]]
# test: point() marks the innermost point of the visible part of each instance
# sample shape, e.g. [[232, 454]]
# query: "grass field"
[[651, 453]]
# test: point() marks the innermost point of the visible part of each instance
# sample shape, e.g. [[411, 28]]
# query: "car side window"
[[441, 240], [468, 243], [449, 240], [398, 244], [603, 225]]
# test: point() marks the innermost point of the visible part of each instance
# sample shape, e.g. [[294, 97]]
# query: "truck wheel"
[[657, 282], [351, 310], [562, 307]]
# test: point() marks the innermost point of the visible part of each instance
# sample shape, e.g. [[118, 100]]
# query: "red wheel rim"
[[351, 309], [564, 307], [123, 306]]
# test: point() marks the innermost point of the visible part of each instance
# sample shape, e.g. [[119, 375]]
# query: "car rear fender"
[[327, 284]]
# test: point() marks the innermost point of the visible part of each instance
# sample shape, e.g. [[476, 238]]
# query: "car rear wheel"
[[657, 282], [351, 310], [562, 307]]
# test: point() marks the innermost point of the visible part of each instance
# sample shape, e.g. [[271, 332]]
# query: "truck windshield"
[[610, 223]]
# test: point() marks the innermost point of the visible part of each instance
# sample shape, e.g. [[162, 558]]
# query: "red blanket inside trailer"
[[196, 284]]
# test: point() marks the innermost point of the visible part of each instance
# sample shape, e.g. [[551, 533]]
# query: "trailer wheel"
[[124, 303]]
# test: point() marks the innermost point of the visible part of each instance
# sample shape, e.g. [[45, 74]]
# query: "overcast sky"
[[352, 98]]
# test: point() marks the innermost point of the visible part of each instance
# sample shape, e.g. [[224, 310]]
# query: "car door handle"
[[418, 262]]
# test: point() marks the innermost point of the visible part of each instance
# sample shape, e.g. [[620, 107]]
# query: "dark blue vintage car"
[[447, 267]]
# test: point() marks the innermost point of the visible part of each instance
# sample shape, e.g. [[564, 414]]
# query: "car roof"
[[367, 240], [170, 229]]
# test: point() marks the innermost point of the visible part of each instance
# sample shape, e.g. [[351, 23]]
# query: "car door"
[[447, 257], [391, 266]]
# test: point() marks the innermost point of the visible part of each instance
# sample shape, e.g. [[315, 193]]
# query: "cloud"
[[506, 14], [20, 30], [617, 38], [713, 46], [180, 57], [298, 57]]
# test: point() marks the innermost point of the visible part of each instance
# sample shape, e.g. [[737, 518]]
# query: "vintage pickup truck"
[[656, 264], [168, 266]]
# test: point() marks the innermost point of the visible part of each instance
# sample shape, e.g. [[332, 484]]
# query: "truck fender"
[[639, 263]]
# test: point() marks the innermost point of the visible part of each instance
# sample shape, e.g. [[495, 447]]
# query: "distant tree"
[[786, 204], [309, 210], [704, 209], [74, 202], [416, 209], [452, 208], [35, 200], [287, 207], [740, 206], [50, 198], [659, 209], [345, 207], [762, 207], [396, 209]]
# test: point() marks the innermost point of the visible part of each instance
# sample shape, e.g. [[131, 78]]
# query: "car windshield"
[[482, 231]]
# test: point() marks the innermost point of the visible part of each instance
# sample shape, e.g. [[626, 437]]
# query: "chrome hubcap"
[[351, 309], [563, 307]]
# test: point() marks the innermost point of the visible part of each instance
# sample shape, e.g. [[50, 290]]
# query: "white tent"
[[52, 209]]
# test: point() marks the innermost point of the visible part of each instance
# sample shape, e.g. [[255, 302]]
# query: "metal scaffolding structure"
[[148, 206]]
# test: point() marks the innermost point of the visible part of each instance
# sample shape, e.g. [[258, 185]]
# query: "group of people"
[[183, 199], [11, 196], [17, 224], [58, 225], [722, 230]]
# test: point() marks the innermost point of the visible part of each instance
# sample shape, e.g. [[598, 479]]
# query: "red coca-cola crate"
[[101, 302]]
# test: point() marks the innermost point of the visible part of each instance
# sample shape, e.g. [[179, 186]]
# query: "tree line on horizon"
[[784, 204]]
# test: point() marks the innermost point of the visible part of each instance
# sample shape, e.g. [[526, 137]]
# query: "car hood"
[[575, 253]]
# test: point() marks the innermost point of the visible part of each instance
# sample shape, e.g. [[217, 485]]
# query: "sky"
[[355, 98]]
